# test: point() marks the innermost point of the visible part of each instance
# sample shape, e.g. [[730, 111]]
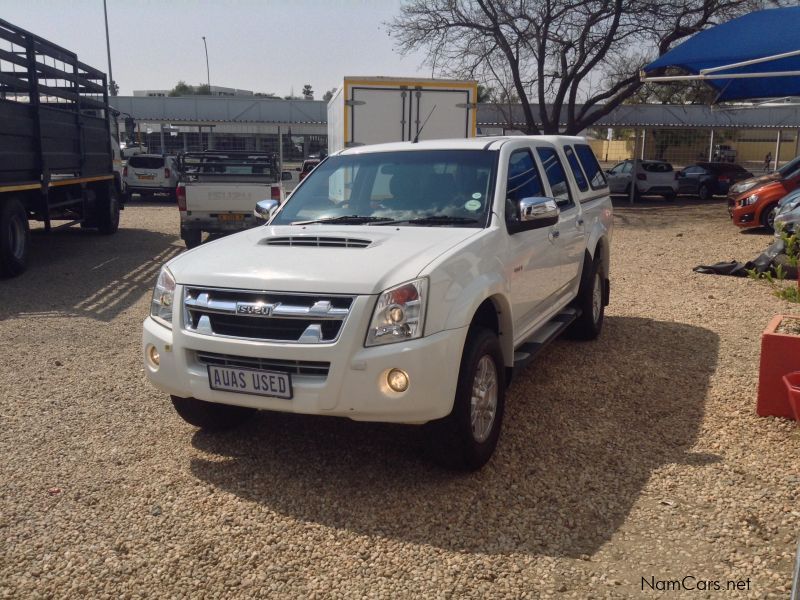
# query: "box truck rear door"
[[378, 115], [450, 119]]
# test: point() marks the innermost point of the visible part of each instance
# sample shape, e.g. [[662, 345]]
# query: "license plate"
[[146, 177], [231, 218], [250, 381]]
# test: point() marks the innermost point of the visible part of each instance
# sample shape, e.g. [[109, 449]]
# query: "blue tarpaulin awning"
[[752, 57]]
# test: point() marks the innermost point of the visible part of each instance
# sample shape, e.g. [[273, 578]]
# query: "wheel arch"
[[494, 313]]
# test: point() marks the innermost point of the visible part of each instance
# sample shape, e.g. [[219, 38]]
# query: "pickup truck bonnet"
[[317, 258]]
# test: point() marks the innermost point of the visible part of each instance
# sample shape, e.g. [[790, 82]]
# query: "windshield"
[[451, 185], [789, 168]]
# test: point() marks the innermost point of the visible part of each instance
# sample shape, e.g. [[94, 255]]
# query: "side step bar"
[[525, 354]]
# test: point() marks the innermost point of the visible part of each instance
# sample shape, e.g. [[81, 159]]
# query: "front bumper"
[[742, 216], [354, 386]]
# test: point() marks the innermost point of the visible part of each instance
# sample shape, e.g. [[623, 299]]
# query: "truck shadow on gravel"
[[80, 273], [586, 426]]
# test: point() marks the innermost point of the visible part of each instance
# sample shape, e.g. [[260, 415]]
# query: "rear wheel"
[[468, 436], [768, 216], [14, 237], [211, 416], [107, 211], [703, 193], [591, 301]]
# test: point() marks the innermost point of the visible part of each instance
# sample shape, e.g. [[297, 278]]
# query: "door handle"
[[554, 234], [579, 222]]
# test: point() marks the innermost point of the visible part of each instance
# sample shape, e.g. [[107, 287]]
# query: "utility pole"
[[112, 86], [208, 71]]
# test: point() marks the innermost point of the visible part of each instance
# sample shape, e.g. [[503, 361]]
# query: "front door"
[[532, 261]]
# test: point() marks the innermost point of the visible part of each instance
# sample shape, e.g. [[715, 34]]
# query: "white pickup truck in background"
[[218, 189], [400, 282]]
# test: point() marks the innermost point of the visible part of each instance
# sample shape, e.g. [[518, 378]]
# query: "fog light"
[[152, 355], [397, 380]]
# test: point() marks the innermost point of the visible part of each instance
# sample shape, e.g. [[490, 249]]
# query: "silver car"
[[788, 216]]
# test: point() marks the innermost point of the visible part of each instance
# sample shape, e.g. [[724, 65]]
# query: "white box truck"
[[372, 110]]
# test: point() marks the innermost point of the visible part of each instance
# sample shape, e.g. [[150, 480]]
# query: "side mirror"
[[265, 209], [535, 213]]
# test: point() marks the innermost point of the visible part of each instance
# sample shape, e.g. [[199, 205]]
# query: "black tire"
[[768, 216], [452, 441], [670, 196], [591, 301], [192, 237], [15, 237], [637, 195], [703, 193], [210, 416], [107, 211]]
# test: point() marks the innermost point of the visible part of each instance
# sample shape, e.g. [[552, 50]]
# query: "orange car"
[[754, 202]]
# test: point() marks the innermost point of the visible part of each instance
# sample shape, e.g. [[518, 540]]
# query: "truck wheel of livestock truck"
[[107, 209], [14, 237]]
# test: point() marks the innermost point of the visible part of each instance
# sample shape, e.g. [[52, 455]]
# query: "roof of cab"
[[476, 143]]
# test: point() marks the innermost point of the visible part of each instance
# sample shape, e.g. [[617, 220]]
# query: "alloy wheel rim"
[[771, 217], [483, 403]]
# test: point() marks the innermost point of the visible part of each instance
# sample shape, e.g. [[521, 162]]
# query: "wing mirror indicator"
[[265, 209]]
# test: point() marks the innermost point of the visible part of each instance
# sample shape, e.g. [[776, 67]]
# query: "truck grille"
[[268, 316], [295, 367]]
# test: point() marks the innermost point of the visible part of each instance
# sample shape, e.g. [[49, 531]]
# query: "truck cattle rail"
[[57, 152]]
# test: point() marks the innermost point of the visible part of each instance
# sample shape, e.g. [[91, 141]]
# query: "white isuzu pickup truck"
[[400, 282]]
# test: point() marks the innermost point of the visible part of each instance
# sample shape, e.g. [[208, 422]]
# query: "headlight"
[[739, 188], [163, 296], [751, 199], [399, 314]]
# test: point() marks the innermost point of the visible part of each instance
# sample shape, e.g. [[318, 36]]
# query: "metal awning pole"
[[778, 149], [644, 142], [753, 61], [632, 191], [711, 147], [644, 77]]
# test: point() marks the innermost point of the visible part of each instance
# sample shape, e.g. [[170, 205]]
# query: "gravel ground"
[[632, 457]]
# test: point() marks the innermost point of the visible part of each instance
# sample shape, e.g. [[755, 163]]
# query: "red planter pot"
[[780, 356]]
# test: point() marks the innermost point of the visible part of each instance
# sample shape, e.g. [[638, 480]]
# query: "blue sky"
[[265, 46]]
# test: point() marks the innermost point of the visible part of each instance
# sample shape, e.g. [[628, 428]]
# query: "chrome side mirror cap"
[[265, 209], [538, 212]]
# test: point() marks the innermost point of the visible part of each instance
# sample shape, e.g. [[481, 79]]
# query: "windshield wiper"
[[346, 220], [434, 220]]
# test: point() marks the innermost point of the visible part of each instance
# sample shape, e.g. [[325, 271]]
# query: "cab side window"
[[556, 177], [575, 167], [523, 181]]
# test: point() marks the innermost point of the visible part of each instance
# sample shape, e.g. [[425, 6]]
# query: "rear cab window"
[[146, 162], [656, 167], [597, 179]]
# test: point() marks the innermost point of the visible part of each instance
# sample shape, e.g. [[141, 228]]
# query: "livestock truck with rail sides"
[[58, 159]]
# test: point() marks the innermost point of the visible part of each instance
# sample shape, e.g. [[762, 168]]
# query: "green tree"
[[329, 94], [182, 89], [308, 93]]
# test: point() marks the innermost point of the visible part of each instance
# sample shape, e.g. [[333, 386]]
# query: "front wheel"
[[768, 216], [210, 416], [14, 238], [468, 436]]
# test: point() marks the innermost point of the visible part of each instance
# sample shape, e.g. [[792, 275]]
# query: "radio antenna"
[[425, 122]]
